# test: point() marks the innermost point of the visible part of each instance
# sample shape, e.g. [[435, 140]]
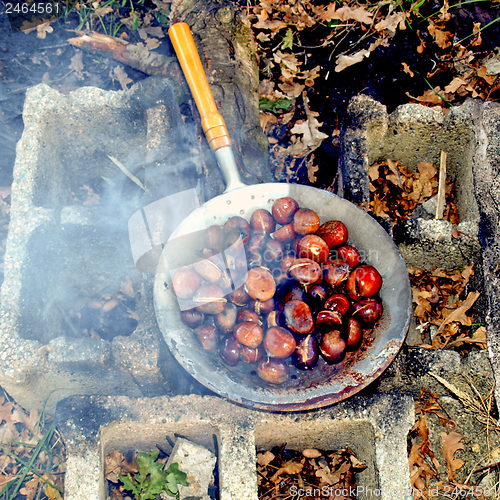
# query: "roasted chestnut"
[[364, 281], [284, 209], [328, 320], [248, 333], [273, 370], [239, 297], [260, 284], [334, 233], [214, 237], [240, 224], [305, 221], [354, 334], [306, 353], [311, 246], [230, 350], [210, 299], [367, 310], [262, 221], [350, 255], [192, 317], [278, 342], [317, 296], [298, 317], [185, 282], [333, 347], [273, 251], [305, 271], [336, 273], [207, 335], [337, 302], [208, 270], [261, 307], [226, 319], [250, 355], [247, 315], [284, 233]]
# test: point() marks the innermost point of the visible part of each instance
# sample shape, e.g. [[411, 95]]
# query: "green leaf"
[[180, 477], [162, 17], [128, 484], [287, 42], [266, 104], [135, 21], [333, 23]]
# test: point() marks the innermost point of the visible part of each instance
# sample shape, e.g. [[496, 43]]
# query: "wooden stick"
[[441, 186], [127, 53]]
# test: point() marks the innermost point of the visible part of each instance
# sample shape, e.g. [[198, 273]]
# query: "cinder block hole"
[[144, 437], [73, 152], [300, 434], [69, 275]]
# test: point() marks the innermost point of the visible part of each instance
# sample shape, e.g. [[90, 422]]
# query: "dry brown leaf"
[[429, 96], [451, 444], [407, 69], [343, 61], [311, 170], [392, 23], [289, 60], [265, 458], [326, 476], [359, 14], [455, 84], [420, 470], [43, 29], [478, 338], [118, 73], [458, 314], [442, 38], [30, 488], [77, 64], [291, 90], [393, 167], [291, 467]]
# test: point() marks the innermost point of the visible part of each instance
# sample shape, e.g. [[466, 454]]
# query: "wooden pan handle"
[[211, 120]]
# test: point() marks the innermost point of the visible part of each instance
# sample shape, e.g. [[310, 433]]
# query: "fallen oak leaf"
[[392, 23], [459, 313], [264, 459], [455, 84], [291, 467], [359, 14], [451, 444], [478, 338], [343, 61]]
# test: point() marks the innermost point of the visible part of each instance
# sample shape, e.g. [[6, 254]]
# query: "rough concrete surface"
[[375, 428]]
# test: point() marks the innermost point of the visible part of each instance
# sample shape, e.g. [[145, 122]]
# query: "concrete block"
[[374, 427]]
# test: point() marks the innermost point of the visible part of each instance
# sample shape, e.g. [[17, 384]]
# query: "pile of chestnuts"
[[305, 293]]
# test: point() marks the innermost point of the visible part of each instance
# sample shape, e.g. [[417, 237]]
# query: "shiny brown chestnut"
[[230, 350], [334, 233], [298, 317], [312, 246], [333, 346], [364, 281], [284, 209], [240, 224], [337, 302], [354, 334], [273, 370], [278, 342], [306, 354], [248, 333], [305, 221], [239, 297], [336, 273], [273, 251], [214, 238], [367, 310], [328, 320], [262, 221], [305, 271], [260, 284], [263, 307], [350, 255], [317, 296], [284, 233], [250, 355], [247, 315]]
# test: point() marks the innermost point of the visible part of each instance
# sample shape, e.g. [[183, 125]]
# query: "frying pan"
[[325, 384]]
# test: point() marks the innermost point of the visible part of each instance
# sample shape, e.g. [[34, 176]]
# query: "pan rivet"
[[228, 202], [242, 212]]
